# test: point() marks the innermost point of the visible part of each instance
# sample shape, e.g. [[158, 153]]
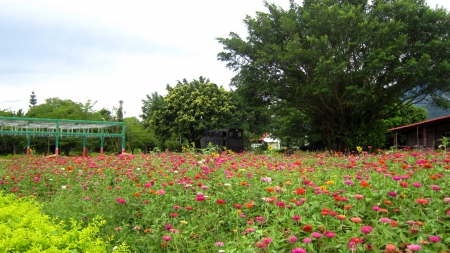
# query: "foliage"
[[345, 65], [193, 202], [137, 136], [55, 108], [23, 228], [150, 105], [190, 108]]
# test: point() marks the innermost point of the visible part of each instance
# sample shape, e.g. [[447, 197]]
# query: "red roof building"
[[425, 134]]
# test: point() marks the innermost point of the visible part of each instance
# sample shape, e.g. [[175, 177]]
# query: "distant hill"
[[433, 112]]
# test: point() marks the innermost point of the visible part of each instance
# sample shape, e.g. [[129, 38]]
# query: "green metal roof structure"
[[37, 127]]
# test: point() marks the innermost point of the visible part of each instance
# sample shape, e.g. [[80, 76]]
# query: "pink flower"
[[329, 234], [392, 194], [200, 198], [296, 218], [414, 247], [166, 238], [417, 184], [366, 229], [307, 240], [299, 250], [358, 196], [435, 187], [121, 201], [385, 220], [356, 219], [292, 239], [161, 192], [267, 240], [280, 204], [219, 244], [316, 235], [434, 238]]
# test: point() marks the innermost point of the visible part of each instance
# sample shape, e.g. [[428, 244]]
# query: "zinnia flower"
[[414, 247], [434, 238], [298, 250], [166, 238], [366, 229], [385, 220], [292, 239], [316, 235], [307, 228]]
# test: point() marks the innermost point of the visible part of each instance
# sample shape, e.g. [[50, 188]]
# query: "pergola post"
[[102, 141], [57, 139], [123, 138], [84, 144], [28, 144]]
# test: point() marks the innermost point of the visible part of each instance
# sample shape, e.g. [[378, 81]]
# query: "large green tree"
[[346, 65], [191, 107]]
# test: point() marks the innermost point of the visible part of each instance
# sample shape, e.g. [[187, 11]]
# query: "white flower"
[[63, 187], [115, 248], [227, 185], [62, 169], [138, 168]]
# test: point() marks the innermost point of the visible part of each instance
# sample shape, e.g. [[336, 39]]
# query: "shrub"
[[23, 228]]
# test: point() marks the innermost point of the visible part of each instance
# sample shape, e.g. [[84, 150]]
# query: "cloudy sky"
[[113, 50]]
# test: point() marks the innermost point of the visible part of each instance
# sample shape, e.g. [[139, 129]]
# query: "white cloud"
[[108, 51]]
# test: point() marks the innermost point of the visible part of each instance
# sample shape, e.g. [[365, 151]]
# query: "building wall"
[[433, 136]]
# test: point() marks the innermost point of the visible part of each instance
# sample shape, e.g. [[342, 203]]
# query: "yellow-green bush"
[[23, 228]]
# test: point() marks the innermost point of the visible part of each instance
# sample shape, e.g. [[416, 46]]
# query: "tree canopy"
[[191, 107], [345, 65]]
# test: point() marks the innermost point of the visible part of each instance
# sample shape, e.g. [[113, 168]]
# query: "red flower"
[[307, 228], [404, 184], [364, 184], [300, 191], [220, 201], [326, 211], [422, 201]]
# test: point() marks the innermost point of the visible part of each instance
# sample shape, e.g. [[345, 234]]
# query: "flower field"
[[190, 202]]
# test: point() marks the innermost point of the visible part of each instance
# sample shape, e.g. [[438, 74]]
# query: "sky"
[[107, 51]]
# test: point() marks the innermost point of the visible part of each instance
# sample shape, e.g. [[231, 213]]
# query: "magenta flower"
[[307, 240], [392, 194], [121, 201], [296, 217], [434, 238], [348, 182], [329, 234], [299, 250], [366, 229]]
